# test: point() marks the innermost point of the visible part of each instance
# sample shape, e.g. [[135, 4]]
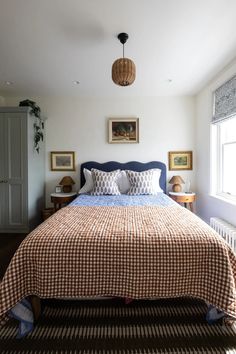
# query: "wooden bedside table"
[[186, 198], [58, 199]]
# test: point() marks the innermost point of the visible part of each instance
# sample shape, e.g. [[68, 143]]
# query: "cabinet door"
[[14, 190]]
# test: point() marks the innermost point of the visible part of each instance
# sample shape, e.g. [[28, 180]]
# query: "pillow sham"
[[123, 182], [145, 182], [105, 183], [156, 180], [88, 186]]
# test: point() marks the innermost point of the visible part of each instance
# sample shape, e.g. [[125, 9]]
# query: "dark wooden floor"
[[8, 246]]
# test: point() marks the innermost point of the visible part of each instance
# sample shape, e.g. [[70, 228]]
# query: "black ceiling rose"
[[123, 37]]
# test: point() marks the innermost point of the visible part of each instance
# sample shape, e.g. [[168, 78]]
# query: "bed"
[[135, 247]]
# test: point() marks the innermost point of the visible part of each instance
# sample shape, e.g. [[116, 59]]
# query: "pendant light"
[[123, 69]]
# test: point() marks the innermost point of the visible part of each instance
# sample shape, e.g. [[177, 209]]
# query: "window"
[[224, 158]]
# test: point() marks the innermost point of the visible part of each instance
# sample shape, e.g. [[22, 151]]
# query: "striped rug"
[[111, 327]]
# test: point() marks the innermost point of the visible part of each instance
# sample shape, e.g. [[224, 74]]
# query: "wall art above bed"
[[123, 130]]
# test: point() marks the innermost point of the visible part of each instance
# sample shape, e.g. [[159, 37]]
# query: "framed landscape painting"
[[180, 160], [123, 130], [62, 161]]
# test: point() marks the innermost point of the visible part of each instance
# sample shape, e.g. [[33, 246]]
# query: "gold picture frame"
[[62, 161], [123, 130], [180, 160]]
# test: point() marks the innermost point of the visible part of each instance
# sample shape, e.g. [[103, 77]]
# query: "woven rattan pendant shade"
[[123, 69], [123, 72]]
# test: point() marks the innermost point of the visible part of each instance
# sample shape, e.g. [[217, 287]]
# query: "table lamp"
[[66, 184], [176, 181]]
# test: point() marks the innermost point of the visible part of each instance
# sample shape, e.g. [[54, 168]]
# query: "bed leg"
[[36, 307]]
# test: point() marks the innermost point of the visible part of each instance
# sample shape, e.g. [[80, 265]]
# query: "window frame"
[[217, 162]]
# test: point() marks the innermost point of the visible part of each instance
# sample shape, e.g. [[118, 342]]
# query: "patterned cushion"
[[146, 182], [105, 182]]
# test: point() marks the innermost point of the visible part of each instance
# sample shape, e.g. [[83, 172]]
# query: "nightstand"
[[185, 198], [58, 199]]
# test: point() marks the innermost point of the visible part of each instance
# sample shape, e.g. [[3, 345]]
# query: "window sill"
[[228, 200]]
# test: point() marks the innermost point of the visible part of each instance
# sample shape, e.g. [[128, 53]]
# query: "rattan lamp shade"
[[176, 181], [123, 72], [67, 183]]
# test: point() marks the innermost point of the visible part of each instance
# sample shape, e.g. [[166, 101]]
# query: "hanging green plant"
[[38, 124], [38, 133]]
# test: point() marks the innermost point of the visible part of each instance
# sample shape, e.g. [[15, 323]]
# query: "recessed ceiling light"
[[76, 82], [8, 83]]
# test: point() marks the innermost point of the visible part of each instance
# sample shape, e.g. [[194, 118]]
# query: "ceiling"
[[177, 45]]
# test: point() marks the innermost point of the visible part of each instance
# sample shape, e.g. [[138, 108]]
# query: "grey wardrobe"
[[22, 174]]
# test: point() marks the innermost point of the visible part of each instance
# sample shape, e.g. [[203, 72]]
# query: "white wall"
[[80, 125], [208, 205]]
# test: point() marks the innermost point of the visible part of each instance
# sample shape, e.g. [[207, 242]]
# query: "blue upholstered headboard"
[[132, 165]]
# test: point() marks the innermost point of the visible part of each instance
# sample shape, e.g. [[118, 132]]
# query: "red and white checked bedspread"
[[136, 251]]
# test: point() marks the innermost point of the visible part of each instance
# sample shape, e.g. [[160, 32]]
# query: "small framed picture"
[[58, 189], [62, 161], [123, 130], [180, 160]]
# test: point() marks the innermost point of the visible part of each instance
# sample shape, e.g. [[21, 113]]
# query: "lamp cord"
[[123, 50]]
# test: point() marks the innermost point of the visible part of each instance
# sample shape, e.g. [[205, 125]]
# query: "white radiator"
[[226, 230]]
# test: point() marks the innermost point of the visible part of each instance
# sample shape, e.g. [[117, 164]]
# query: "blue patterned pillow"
[[145, 182], [105, 182]]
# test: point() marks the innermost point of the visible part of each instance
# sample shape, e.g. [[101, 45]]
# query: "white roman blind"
[[224, 105]]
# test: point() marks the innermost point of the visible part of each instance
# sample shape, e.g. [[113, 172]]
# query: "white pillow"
[[123, 182], [88, 186], [156, 180]]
